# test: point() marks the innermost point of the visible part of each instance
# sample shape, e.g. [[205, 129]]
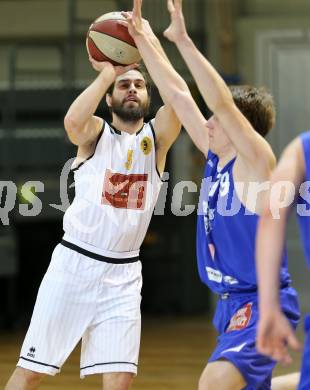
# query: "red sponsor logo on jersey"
[[124, 191], [241, 319]]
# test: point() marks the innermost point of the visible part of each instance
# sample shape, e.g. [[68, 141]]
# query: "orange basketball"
[[109, 41]]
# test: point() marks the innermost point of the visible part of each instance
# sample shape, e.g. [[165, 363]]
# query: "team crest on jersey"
[[128, 163], [241, 319], [146, 145]]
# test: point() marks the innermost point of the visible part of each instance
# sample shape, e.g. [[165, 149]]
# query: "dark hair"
[[257, 105], [141, 68]]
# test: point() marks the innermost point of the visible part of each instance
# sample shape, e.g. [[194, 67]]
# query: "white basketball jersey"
[[116, 190]]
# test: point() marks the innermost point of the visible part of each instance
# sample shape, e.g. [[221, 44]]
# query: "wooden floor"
[[173, 354]]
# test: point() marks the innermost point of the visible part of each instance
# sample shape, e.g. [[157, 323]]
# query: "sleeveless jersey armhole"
[[92, 155], [154, 137]]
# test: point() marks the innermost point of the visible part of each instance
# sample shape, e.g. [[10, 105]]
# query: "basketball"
[[109, 41]]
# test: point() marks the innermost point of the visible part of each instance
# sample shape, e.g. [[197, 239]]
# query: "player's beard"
[[130, 113]]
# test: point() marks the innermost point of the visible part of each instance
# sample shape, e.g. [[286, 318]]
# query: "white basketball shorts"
[[83, 298]]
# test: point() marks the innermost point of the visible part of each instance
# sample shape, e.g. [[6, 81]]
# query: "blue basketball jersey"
[[303, 204], [226, 233]]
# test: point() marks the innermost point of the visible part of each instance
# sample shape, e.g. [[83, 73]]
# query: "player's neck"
[[225, 156], [127, 127]]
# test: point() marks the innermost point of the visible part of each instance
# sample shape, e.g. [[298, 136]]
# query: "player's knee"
[[286, 382], [33, 377], [117, 381], [29, 377], [209, 380], [25, 378], [221, 375]]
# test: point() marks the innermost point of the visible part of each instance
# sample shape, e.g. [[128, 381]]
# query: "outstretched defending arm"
[[248, 143], [274, 331], [171, 86]]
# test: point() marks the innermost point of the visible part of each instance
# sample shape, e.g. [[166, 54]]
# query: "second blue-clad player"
[[275, 334]]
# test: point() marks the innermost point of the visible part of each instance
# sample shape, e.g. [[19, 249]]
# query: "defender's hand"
[[275, 335], [177, 29], [136, 25]]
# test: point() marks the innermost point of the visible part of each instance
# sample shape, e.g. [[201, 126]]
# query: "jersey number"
[[124, 191], [222, 180]]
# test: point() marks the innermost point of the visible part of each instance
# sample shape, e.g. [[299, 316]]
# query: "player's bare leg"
[[23, 379], [286, 382], [117, 381], [221, 375]]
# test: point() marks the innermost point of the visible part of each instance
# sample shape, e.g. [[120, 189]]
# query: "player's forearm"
[[158, 47], [174, 91], [218, 98], [167, 80], [269, 250], [151, 37], [85, 105], [211, 85]]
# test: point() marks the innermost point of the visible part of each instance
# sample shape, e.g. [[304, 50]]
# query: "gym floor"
[[173, 354]]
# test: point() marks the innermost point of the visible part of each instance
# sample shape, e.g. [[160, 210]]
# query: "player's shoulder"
[[301, 154], [296, 146], [303, 140], [149, 127], [100, 123], [304, 135], [89, 148]]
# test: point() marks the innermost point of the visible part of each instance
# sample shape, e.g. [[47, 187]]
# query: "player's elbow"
[[70, 122], [71, 128], [223, 104], [180, 100], [175, 93]]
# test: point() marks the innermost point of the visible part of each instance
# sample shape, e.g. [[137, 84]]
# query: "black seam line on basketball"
[[104, 364], [111, 36], [96, 256], [154, 136], [42, 364], [88, 158]]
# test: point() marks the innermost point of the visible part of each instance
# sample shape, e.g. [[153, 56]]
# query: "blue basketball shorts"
[[236, 320], [305, 368]]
